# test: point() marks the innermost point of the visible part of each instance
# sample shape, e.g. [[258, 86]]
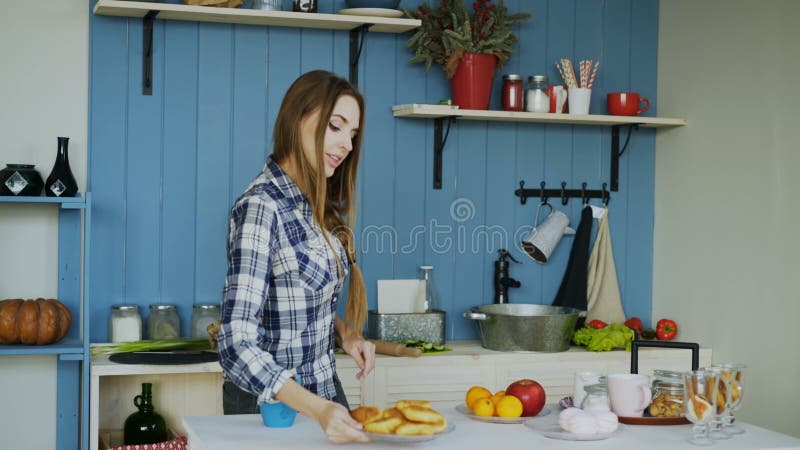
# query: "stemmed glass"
[[700, 398], [735, 399], [723, 406]]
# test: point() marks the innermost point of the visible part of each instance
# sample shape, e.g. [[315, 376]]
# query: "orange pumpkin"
[[33, 322]]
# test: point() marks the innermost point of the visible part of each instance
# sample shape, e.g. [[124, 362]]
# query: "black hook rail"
[[563, 193]]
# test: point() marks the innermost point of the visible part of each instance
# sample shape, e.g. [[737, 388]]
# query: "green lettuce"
[[609, 338]]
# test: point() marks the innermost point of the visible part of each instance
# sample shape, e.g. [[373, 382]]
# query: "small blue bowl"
[[387, 4], [277, 415]]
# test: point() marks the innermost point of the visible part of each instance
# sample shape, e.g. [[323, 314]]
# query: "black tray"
[[166, 358]]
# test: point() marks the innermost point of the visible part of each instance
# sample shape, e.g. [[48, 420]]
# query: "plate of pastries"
[[408, 421]]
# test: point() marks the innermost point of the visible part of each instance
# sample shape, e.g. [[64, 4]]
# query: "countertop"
[[246, 432]]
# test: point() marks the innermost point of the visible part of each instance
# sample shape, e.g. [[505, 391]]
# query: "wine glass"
[[700, 398], [737, 391]]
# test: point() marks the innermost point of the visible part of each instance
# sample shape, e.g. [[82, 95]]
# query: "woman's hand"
[[339, 426], [362, 351]]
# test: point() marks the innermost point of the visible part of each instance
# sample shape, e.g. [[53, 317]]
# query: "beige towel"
[[604, 302]]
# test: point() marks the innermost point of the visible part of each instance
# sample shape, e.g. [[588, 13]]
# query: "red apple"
[[530, 393]]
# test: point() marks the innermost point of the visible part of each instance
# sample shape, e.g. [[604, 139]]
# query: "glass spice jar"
[[537, 98], [126, 323], [667, 394], [202, 317], [513, 92], [596, 398], [163, 322]]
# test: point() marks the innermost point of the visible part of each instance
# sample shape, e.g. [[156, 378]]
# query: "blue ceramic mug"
[[277, 415]]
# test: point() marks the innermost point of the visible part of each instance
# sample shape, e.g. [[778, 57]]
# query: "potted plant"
[[468, 46]]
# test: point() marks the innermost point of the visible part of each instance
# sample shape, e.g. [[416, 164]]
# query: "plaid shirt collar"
[[292, 194]]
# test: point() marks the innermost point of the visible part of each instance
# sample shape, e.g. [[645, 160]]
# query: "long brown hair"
[[333, 200]]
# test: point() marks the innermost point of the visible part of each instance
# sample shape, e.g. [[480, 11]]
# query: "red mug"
[[558, 98], [626, 104]]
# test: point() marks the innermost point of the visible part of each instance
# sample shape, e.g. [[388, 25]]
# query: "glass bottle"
[[60, 182], [537, 98], [163, 322], [431, 294], [202, 317], [144, 426], [126, 323]]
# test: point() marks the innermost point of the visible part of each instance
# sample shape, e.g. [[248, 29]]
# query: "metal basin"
[[523, 327]]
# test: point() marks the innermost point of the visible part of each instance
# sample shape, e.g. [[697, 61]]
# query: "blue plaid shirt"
[[279, 301]]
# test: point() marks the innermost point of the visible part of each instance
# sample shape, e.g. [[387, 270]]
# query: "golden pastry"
[[366, 414]]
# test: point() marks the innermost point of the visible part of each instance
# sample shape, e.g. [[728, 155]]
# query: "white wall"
[[44, 55], [727, 187]]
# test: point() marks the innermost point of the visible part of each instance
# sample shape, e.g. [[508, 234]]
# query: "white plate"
[[378, 437], [374, 12], [492, 419], [555, 432]]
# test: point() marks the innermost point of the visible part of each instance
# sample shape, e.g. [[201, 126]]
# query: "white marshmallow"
[[566, 415], [607, 422]]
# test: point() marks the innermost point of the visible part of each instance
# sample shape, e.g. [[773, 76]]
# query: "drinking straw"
[[594, 73]]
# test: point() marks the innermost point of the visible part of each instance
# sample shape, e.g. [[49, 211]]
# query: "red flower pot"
[[472, 83]]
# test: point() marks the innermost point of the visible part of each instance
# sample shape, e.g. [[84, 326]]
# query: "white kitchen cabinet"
[[195, 389]]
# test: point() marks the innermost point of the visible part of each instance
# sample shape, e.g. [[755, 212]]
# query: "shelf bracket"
[[439, 142], [147, 52], [356, 45], [616, 152]]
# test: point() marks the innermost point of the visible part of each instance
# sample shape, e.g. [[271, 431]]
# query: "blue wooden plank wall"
[[164, 169]]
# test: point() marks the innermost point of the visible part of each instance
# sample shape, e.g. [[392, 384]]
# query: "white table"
[[246, 432]]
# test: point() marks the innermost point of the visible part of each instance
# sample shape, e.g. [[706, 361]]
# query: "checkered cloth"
[[279, 301]]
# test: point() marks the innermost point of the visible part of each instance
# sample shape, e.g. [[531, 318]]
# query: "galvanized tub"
[[427, 326], [523, 327]]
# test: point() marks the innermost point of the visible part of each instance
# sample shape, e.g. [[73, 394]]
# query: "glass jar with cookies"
[[667, 394]]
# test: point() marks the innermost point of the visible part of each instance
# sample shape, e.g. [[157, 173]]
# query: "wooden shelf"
[[253, 16], [421, 111]]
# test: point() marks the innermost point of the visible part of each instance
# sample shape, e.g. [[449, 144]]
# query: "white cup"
[[578, 100], [629, 393]]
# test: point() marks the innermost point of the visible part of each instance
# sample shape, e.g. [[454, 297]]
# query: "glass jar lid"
[[206, 307], [537, 79], [161, 307], [512, 77], [125, 307]]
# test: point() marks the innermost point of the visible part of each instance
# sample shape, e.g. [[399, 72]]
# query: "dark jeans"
[[238, 401]]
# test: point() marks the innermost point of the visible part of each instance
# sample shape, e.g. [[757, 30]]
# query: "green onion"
[[152, 345]]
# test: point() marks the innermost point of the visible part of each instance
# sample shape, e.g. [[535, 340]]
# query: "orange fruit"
[[509, 406], [476, 392], [497, 396], [483, 407]]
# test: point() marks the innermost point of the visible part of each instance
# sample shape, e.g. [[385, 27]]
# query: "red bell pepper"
[[635, 323], [666, 329], [597, 324]]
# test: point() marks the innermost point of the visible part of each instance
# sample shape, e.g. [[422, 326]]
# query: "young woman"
[[289, 250]]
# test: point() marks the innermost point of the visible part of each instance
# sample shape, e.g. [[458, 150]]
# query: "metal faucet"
[[501, 279]]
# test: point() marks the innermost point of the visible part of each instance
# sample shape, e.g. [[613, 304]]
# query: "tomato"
[[635, 323], [666, 329], [597, 324]]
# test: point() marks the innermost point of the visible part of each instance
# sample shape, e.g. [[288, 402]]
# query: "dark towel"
[[572, 291]]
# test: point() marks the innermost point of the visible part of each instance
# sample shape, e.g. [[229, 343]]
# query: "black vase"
[[60, 182], [20, 180]]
